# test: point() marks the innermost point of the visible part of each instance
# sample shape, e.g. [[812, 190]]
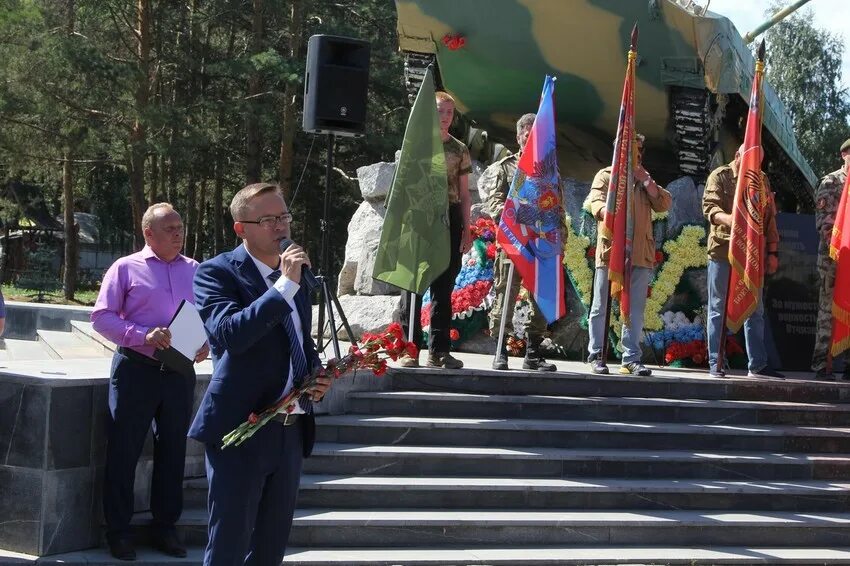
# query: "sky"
[[830, 15]]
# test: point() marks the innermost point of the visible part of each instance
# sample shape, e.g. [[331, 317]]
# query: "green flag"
[[414, 248]]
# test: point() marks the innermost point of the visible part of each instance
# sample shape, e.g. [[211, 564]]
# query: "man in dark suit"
[[257, 316]]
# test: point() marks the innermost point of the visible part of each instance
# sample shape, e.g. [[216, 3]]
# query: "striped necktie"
[[296, 353]]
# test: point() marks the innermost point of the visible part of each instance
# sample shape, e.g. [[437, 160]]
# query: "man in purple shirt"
[[138, 297]]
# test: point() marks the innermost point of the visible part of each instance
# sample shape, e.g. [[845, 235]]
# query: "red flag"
[[618, 224], [839, 250], [746, 242]]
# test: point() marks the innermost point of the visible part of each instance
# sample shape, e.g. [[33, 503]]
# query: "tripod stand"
[[327, 297]]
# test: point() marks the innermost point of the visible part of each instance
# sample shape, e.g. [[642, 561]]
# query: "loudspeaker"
[[336, 85]]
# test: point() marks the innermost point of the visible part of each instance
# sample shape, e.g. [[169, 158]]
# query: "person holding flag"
[[717, 201], [622, 198], [739, 207], [529, 232], [839, 251], [426, 227], [827, 198], [497, 179], [647, 196]]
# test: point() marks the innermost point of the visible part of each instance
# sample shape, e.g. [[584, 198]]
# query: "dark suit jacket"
[[249, 346]]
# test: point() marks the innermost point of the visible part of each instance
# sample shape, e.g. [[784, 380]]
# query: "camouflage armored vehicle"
[[693, 79]]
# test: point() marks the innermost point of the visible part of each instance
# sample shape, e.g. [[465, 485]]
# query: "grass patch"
[[81, 298]]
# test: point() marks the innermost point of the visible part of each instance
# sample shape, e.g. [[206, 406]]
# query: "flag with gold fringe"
[[618, 225], [839, 251], [747, 241]]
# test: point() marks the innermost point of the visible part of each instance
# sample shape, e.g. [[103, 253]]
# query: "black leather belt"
[[141, 358], [286, 419]]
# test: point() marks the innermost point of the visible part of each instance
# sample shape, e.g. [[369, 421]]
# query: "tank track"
[[415, 65], [695, 115]]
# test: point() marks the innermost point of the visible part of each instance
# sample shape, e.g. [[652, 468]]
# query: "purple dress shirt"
[[140, 292]]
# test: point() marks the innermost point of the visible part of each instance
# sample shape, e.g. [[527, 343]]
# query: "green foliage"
[[78, 91], [804, 67]]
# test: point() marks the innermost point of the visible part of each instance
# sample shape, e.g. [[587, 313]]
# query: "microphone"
[[307, 277]]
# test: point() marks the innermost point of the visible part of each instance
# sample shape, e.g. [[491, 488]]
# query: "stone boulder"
[[364, 283], [375, 181], [364, 233], [364, 314], [687, 205], [575, 193]]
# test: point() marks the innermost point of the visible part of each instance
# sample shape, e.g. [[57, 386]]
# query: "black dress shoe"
[[167, 543], [122, 549]]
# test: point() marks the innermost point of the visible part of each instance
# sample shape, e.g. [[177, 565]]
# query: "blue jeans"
[[596, 320], [718, 279]]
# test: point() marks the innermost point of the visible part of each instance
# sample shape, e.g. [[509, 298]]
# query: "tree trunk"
[[70, 16], [69, 279], [4, 254], [290, 101], [198, 252], [163, 175], [218, 207], [191, 215], [253, 136], [137, 133], [154, 198]]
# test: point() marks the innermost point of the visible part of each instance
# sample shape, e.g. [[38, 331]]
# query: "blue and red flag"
[[529, 230]]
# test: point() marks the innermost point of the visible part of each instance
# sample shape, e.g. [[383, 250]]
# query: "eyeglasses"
[[269, 222]]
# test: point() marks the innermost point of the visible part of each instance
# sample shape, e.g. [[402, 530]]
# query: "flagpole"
[[606, 332], [629, 179], [412, 318], [505, 303], [721, 350]]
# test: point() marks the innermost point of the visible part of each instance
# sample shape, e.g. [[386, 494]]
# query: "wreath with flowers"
[[672, 259], [680, 339]]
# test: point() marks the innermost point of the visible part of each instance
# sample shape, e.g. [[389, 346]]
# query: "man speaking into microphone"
[[255, 305]]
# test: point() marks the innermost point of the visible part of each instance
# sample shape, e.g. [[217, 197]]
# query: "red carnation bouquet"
[[372, 355]]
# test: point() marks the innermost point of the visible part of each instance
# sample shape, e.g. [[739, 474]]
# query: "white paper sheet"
[[187, 330]]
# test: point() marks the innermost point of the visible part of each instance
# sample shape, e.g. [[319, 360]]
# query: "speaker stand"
[[328, 299]]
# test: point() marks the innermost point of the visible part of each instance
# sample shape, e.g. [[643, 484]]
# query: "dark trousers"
[[252, 496], [441, 293], [139, 394]]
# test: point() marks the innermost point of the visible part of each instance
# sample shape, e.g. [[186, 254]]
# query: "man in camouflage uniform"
[[497, 180], [458, 167], [827, 198]]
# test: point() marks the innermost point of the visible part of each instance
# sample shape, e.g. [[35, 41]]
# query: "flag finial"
[[634, 37], [761, 51]]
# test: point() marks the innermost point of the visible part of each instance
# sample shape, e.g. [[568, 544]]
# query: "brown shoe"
[[407, 361], [446, 361]]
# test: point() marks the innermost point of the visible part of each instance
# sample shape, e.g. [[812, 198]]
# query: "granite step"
[[86, 329], [479, 556], [361, 492], [27, 350], [387, 528], [542, 462], [666, 384], [643, 409], [70, 346], [379, 429]]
